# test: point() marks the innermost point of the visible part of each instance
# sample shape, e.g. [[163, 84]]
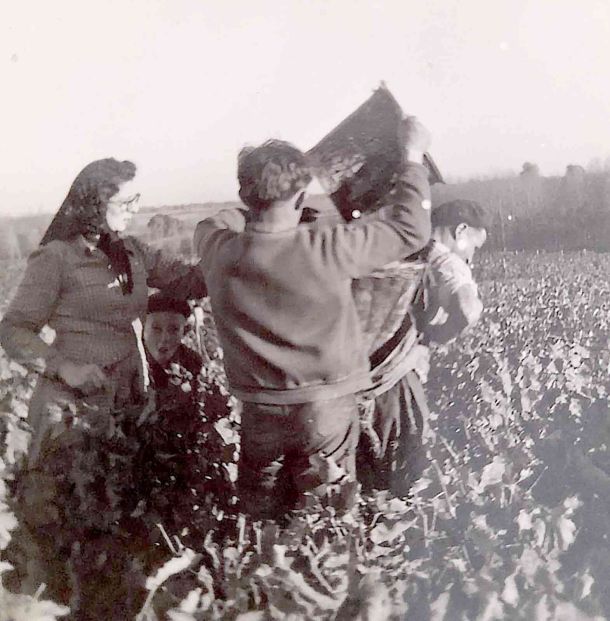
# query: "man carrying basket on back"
[[400, 305]]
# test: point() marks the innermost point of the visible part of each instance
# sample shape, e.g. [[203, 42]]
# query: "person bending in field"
[[451, 303], [281, 297], [446, 305]]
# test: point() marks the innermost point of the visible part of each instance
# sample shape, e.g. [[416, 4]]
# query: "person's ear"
[[460, 229]]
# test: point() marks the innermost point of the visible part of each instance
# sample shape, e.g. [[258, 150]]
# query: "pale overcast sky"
[[178, 86]]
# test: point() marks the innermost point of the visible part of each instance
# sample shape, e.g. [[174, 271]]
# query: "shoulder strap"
[[409, 321]]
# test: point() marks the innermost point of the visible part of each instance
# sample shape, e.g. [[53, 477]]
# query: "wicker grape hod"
[[356, 164]]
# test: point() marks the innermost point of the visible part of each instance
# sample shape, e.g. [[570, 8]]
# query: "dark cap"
[[453, 213], [160, 303]]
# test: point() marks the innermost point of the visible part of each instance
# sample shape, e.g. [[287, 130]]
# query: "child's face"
[[163, 333]]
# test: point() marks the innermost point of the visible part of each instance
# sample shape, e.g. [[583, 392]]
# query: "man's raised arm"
[[214, 230], [395, 231]]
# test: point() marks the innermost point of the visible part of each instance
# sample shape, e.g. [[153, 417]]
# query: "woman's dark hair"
[[275, 171], [453, 213], [84, 208]]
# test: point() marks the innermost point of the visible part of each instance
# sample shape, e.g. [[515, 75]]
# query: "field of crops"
[[509, 521]]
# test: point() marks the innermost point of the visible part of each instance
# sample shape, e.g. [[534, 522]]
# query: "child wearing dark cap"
[[173, 367], [170, 460]]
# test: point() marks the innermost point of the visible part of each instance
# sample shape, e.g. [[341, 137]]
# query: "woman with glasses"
[[90, 284]]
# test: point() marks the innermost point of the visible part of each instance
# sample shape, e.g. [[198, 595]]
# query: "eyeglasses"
[[129, 204]]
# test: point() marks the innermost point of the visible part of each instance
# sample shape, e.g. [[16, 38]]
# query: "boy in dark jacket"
[[282, 301]]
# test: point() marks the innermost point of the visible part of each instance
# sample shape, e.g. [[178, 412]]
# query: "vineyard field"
[[510, 519]]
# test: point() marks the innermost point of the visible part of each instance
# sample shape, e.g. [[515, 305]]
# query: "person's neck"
[[444, 237], [279, 217], [162, 365]]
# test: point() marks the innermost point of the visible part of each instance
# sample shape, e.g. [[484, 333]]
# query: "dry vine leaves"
[[508, 521]]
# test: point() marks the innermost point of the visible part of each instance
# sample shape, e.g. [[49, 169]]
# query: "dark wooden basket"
[[363, 153], [356, 164]]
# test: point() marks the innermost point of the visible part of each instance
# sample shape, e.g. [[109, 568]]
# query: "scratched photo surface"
[[273, 348]]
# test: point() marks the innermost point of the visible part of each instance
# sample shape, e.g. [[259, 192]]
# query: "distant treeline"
[[529, 212]]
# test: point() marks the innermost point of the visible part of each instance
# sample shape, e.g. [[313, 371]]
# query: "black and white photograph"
[[305, 310]]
